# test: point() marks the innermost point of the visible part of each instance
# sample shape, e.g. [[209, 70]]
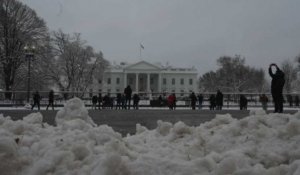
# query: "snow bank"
[[258, 144]]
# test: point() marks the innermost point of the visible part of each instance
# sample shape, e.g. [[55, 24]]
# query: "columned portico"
[[141, 81]]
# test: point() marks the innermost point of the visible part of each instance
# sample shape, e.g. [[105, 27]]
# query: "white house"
[[144, 77]]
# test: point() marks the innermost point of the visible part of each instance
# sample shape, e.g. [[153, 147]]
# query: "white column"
[[159, 82], [148, 83], [137, 82], [125, 80]]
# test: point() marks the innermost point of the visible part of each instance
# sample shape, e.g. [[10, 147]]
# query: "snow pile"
[[258, 144], [73, 109]]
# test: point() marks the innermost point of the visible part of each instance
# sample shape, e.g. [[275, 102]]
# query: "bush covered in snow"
[[255, 145]]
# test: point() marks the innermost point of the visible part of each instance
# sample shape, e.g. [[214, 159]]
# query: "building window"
[[191, 81], [99, 81], [118, 80], [173, 81], [108, 90], [108, 81], [151, 80], [164, 81], [173, 91], [100, 90], [182, 81], [117, 90]]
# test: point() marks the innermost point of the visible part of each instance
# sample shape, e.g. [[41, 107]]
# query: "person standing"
[[36, 100], [127, 92], [219, 100], [212, 102], [243, 102], [277, 87], [200, 101], [50, 99], [136, 100], [119, 101], [94, 101], [193, 100], [160, 100], [264, 101], [171, 101], [123, 99]]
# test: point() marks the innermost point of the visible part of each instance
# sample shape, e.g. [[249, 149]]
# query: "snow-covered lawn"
[[256, 145]]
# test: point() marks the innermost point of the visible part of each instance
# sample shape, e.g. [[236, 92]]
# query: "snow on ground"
[[257, 145]]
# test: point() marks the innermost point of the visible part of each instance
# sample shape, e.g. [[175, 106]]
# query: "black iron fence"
[[230, 100]]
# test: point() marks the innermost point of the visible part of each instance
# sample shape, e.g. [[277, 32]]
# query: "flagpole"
[[140, 52], [141, 47]]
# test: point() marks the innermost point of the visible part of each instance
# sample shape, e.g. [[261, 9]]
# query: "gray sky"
[[184, 33]]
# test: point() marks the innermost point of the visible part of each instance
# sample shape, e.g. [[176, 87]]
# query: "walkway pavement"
[[124, 121]]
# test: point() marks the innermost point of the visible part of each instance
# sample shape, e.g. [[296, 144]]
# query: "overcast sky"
[[184, 33]]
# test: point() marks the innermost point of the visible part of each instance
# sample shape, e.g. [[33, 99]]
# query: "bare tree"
[[234, 76], [19, 25], [290, 75], [208, 81], [75, 64]]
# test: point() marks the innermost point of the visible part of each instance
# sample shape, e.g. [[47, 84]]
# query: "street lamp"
[[29, 53]]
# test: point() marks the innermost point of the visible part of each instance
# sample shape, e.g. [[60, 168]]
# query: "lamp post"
[[29, 53]]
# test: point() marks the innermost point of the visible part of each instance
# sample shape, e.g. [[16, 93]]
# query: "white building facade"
[[144, 77]]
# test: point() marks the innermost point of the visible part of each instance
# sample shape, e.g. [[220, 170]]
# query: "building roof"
[[144, 65]]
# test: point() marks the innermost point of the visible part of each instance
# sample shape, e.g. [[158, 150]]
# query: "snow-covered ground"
[[256, 145]]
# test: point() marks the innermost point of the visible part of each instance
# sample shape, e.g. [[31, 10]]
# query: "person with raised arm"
[[277, 87]]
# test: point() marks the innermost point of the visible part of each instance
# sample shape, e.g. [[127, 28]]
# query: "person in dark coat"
[[123, 100], [119, 101], [243, 102], [277, 87], [136, 100], [212, 102], [127, 92], [50, 99], [200, 101], [219, 100], [100, 100], [193, 100], [106, 101], [36, 100], [160, 101], [94, 101]]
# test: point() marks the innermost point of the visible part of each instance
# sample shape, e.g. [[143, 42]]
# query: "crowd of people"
[[123, 100]]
